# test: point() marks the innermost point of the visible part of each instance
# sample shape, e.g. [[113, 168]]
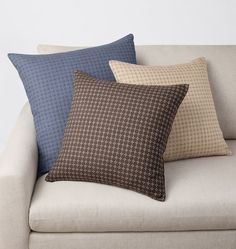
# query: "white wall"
[[25, 23]]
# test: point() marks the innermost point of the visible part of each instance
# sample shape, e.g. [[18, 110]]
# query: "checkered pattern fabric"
[[116, 134], [48, 81], [196, 131]]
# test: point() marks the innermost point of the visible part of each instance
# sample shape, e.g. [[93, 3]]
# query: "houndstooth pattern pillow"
[[116, 134], [48, 81], [196, 131]]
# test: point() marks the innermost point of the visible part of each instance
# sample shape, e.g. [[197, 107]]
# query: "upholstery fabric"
[[196, 131], [18, 167], [116, 134], [200, 196], [221, 61], [159, 240], [48, 81]]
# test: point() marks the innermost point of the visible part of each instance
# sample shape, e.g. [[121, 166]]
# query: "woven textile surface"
[[196, 131], [48, 81], [117, 133]]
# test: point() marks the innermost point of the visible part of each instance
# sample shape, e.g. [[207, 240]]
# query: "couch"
[[199, 211]]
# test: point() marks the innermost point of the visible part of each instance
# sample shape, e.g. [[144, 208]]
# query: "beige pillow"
[[196, 131]]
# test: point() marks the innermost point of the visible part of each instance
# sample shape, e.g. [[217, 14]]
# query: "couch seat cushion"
[[201, 195]]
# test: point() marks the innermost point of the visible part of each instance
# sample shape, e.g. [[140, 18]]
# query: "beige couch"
[[200, 209]]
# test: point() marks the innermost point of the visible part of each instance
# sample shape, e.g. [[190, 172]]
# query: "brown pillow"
[[116, 134]]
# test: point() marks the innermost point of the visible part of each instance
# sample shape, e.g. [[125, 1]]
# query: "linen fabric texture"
[[196, 131], [48, 81], [116, 134], [193, 191], [221, 62]]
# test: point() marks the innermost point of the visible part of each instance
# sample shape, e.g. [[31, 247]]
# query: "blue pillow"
[[48, 81]]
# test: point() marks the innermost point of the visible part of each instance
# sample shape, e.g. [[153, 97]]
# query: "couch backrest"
[[221, 65]]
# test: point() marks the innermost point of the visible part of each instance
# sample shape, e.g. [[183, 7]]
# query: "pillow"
[[48, 81], [116, 134], [196, 131]]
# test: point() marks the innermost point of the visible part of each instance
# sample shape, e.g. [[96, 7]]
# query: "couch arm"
[[18, 167]]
